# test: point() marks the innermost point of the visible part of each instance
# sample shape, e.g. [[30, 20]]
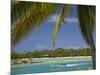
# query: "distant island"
[[26, 57]]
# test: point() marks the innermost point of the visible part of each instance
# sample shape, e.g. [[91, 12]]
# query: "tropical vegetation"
[[59, 52]]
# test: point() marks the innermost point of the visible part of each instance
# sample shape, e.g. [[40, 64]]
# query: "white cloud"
[[53, 18], [68, 20], [72, 20], [40, 46]]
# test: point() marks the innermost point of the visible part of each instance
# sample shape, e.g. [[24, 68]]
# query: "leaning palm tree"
[[28, 16]]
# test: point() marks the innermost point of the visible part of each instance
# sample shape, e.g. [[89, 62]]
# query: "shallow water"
[[52, 67]]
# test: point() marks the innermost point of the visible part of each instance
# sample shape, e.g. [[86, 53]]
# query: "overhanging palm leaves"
[[27, 16], [84, 13], [86, 18]]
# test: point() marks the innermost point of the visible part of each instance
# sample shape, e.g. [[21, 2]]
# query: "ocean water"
[[52, 67]]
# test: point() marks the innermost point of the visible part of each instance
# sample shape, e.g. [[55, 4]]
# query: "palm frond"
[[62, 17], [86, 19], [28, 18]]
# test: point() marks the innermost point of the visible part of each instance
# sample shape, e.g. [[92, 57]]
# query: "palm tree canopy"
[[28, 16]]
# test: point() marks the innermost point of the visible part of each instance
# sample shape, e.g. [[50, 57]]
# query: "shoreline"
[[37, 61]]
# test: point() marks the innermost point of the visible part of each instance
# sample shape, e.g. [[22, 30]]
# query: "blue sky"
[[69, 35]]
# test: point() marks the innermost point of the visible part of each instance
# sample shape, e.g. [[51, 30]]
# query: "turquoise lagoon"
[[58, 64]]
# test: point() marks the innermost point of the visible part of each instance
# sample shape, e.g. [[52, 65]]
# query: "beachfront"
[[50, 60]]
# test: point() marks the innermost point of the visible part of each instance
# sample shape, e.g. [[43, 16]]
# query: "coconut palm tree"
[[28, 16]]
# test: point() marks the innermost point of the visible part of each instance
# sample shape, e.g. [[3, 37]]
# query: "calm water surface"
[[52, 67]]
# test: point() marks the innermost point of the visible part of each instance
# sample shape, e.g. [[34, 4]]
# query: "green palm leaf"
[[62, 17], [29, 18], [86, 18]]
